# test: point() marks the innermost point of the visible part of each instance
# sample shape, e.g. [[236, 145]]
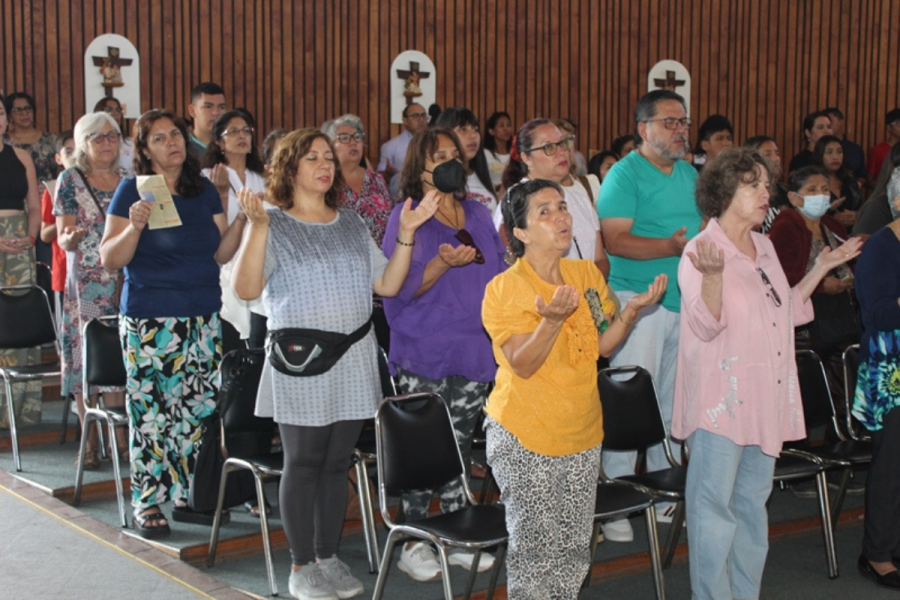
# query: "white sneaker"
[[665, 511], [337, 573], [309, 583], [461, 558], [419, 562], [618, 531]]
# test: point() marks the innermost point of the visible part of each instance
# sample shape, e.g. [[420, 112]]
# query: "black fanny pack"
[[308, 352]]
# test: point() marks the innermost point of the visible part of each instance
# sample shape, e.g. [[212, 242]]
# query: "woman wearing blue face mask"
[[799, 235]]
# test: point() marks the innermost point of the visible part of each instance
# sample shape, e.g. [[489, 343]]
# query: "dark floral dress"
[[372, 203]]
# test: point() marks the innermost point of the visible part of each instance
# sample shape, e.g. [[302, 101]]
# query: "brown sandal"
[[91, 458]]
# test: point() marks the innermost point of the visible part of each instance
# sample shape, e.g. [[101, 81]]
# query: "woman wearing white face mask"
[[799, 235]]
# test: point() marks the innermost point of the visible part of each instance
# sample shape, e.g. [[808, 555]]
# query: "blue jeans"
[[727, 521], [652, 344]]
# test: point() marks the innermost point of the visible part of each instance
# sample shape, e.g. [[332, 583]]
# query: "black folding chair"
[[364, 456], [616, 500], [237, 403], [850, 358], [819, 410], [26, 321], [417, 449], [632, 421], [103, 366]]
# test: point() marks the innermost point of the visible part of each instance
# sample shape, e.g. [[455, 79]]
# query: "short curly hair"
[[293, 147], [720, 178]]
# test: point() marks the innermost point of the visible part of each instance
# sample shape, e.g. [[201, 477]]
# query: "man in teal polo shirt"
[[647, 214]]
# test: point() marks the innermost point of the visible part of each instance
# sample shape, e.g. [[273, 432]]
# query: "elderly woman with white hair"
[[363, 190], [83, 195]]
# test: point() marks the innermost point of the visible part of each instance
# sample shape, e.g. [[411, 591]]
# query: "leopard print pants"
[[549, 515]]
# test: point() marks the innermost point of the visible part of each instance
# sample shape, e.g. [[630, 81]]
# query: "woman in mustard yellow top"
[[544, 427]]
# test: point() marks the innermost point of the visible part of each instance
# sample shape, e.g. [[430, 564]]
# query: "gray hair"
[[329, 128], [87, 126]]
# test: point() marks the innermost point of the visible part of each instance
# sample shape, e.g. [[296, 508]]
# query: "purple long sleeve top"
[[440, 333]]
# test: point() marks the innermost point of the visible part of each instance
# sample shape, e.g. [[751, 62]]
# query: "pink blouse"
[[372, 203], [737, 376]]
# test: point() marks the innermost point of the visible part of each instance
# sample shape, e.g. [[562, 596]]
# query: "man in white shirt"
[[393, 151]]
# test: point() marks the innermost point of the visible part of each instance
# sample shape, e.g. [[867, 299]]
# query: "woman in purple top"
[[438, 342], [736, 393]]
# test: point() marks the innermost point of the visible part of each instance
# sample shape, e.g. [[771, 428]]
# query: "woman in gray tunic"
[[316, 266]]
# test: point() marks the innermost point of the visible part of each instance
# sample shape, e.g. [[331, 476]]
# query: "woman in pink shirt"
[[736, 393]]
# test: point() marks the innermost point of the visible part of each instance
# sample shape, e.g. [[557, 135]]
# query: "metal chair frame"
[[420, 529], [43, 331], [107, 372]]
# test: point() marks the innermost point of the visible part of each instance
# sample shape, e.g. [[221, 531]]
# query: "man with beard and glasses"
[[647, 214]]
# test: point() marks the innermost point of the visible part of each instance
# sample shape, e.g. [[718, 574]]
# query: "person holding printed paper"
[[170, 328]]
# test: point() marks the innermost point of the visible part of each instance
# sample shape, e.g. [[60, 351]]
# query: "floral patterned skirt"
[[878, 380]]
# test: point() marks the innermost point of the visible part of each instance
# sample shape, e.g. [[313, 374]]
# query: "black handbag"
[[237, 374], [836, 322], [308, 352]]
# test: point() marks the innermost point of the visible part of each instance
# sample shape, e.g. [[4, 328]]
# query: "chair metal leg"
[[13, 434], [264, 524], [445, 571], [117, 471], [82, 446], [838, 503], [653, 542], [67, 408], [368, 513], [827, 531], [498, 564], [470, 580], [392, 540], [595, 533], [217, 519], [674, 534]]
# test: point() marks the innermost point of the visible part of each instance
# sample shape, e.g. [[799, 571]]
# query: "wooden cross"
[[112, 60], [412, 77], [669, 83]]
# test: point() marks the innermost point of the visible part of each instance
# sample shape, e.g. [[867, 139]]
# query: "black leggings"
[[313, 492]]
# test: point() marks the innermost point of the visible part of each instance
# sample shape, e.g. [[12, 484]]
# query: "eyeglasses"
[[672, 122], [554, 147], [465, 237], [113, 110], [345, 138], [97, 138], [18, 109], [238, 131], [776, 299], [417, 116]]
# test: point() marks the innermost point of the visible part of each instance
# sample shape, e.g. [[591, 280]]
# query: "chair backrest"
[[850, 359], [241, 371], [631, 414], [25, 317], [388, 386], [416, 442], [818, 406], [43, 277], [101, 351]]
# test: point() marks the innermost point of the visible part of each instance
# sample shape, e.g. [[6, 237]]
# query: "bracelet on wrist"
[[621, 318], [407, 244]]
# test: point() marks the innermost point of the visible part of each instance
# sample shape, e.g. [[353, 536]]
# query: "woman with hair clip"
[[540, 150], [549, 319], [464, 124], [496, 143]]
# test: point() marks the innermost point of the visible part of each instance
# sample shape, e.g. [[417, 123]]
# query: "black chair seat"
[[788, 468], [39, 370], [668, 480], [615, 499], [477, 524], [852, 451]]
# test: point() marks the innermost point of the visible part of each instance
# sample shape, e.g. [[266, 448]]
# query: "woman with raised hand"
[[318, 267]]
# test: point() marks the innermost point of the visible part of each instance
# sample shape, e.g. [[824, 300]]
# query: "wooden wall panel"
[[763, 63]]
